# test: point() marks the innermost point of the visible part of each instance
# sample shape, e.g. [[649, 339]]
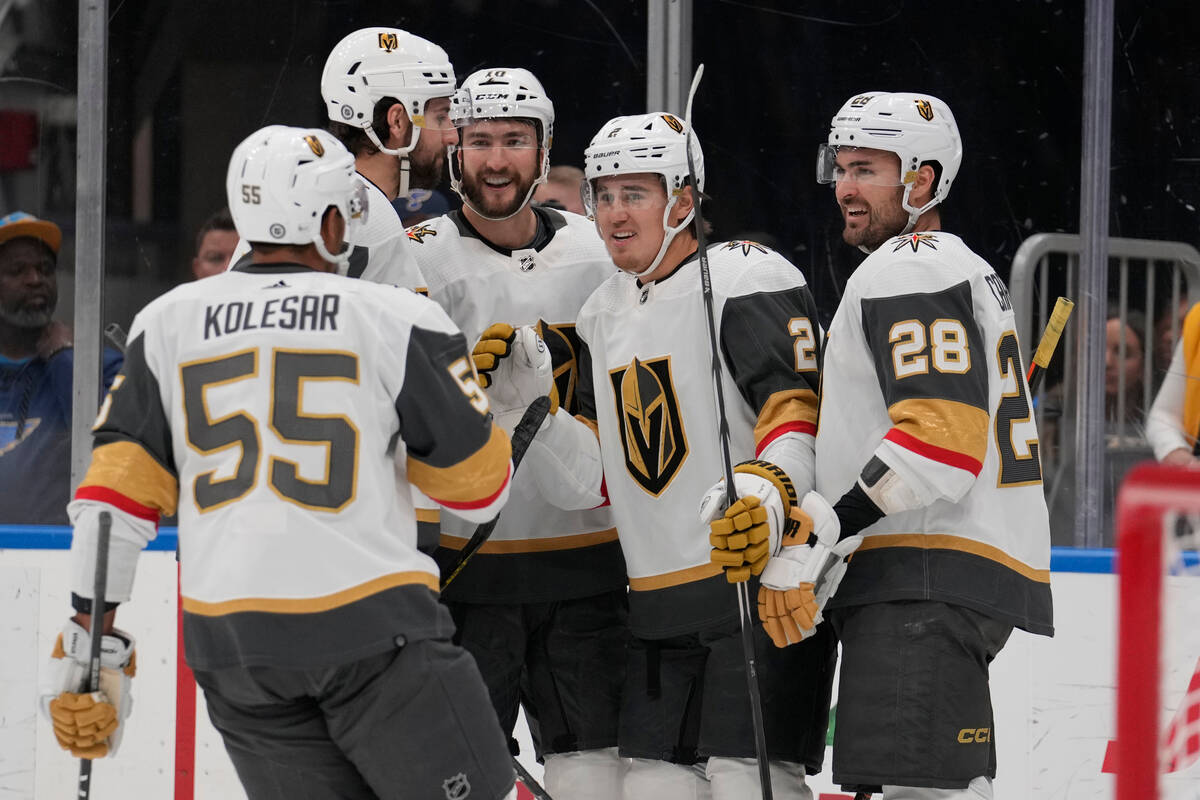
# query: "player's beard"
[[425, 169], [487, 207], [883, 222]]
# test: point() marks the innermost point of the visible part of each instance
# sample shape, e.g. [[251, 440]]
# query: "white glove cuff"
[[786, 570]]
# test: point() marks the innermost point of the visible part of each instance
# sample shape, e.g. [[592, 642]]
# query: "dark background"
[[203, 75]]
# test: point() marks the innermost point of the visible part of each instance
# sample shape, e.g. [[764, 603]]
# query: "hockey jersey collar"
[[548, 219], [695, 256], [269, 269]]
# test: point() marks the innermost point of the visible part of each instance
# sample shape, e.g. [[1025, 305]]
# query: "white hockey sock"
[[648, 779], [585, 775], [737, 779], [979, 789]]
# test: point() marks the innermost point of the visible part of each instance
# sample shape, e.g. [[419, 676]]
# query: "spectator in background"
[[215, 243], [1124, 387], [561, 189], [1166, 336], [420, 205], [1173, 425], [36, 366]]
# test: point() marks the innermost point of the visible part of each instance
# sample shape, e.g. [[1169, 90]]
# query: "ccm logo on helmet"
[[969, 735]]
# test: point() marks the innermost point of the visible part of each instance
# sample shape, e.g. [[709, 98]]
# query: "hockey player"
[[542, 606], [928, 448], [282, 410], [646, 439]]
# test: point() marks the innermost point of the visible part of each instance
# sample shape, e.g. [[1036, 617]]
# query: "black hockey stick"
[[522, 436], [745, 617], [531, 784], [99, 590]]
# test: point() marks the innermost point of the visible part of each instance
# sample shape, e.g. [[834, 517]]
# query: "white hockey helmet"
[[656, 143], [502, 93], [373, 63], [916, 127], [280, 182]]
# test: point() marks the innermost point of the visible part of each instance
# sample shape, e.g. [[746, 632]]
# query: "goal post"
[[1150, 497]]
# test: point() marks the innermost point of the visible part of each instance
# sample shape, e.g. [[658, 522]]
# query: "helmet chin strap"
[[341, 260], [668, 235], [400, 152]]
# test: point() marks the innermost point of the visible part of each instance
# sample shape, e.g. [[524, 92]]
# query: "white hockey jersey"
[[646, 381], [537, 552], [289, 411], [924, 371]]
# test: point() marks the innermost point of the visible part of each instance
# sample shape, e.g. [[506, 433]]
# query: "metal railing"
[[1047, 265]]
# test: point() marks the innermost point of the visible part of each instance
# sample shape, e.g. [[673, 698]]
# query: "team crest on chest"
[[745, 245], [649, 421], [418, 232], [915, 241], [563, 342]]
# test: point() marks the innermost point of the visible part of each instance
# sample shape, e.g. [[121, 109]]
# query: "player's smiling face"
[[500, 162], [868, 192], [629, 212]]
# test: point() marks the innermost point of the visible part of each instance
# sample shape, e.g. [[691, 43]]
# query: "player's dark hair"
[[355, 138]]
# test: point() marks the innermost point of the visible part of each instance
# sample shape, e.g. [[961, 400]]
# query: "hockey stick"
[[745, 619], [1046, 347], [99, 590], [522, 436], [531, 784]]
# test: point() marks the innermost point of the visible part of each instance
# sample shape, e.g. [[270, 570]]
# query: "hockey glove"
[[800, 579], [514, 365], [745, 534], [89, 724]]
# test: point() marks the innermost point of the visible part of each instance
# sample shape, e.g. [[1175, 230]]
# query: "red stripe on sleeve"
[[950, 458], [795, 426], [484, 502], [114, 498], [604, 492]]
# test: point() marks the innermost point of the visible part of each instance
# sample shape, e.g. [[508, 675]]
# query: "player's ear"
[[399, 125], [684, 204], [922, 191]]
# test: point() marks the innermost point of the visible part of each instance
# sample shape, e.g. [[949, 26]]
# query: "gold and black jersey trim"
[[787, 411], [946, 431], [123, 474], [473, 482], [539, 545], [310, 605]]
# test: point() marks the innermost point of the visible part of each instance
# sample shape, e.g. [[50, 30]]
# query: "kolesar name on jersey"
[[307, 312]]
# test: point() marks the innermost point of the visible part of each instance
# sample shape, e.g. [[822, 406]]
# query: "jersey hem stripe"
[[569, 542], [681, 576], [310, 605], [944, 541], [103, 494], [934, 453]]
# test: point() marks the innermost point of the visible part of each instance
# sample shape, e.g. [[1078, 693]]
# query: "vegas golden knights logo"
[[315, 145], [563, 342], [388, 42], [925, 109], [417, 233], [649, 421], [675, 124]]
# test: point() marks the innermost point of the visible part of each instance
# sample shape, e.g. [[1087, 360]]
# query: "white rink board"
[[1054, 698]]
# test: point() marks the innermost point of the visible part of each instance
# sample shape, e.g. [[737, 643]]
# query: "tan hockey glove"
[[89, 724], [745, 534], [799, 580], [514, 364]]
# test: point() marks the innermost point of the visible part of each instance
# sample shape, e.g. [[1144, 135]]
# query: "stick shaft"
[[99, 591]]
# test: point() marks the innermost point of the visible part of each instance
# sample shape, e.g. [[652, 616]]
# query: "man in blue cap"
[[36, 365]]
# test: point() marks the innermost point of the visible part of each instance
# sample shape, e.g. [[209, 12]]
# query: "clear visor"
[[611, 197], [837, 164], [436, 116]]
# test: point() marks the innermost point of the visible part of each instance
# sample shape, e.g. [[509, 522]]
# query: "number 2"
[[1014, 408], [949, 347], [806, 343]]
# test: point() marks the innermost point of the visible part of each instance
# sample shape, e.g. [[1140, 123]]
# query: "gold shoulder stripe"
[[676, 578], [944, 541], [429, 515], [591, 423], [572, 542], [311, 605], [476, 478], [781, 408], [126, 468], [947, 424]]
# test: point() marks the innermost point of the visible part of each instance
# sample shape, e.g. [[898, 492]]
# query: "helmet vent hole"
[[354, 68]]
